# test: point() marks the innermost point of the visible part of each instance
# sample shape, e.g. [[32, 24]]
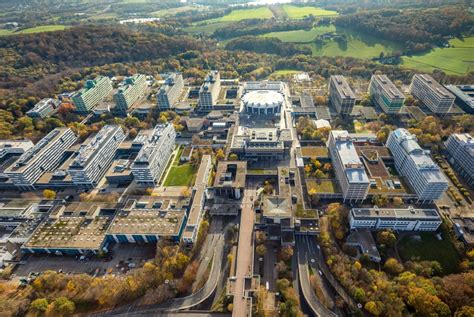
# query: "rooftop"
[[275, 206], [352, 165], [388, 86], [464, 92], [230, 174], [434, 86], [396, 213], [342, 87]]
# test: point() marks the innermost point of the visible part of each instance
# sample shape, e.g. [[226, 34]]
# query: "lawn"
[[180, 174], [243, 14], [296, 12], [38, 29], [314, 151], [301, 36], [457, 59], [429, 248], [323, 186]]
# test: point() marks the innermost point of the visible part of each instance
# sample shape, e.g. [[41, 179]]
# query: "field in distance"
[[38, 29], [296, 12]]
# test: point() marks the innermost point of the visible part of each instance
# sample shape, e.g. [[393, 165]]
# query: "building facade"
[[209, 91], [460, 148], [46, 155], [151, 161], [94, 91], [170, 91], [464, 97], [341, 95], [397, 219], [416, 165], [44, 108], [385, 94], [432, 94], [348, 167], [131, 89], [95, 156]]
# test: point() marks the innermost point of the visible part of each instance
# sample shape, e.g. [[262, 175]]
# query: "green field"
[[295, 12], [180, 174], [301, 36], [429, 248], [457, 59], [38, 29], [243, 14]]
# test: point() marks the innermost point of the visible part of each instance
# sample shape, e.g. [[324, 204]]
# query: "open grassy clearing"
[[38, 29], [205, 28], [429, 248], [180, 174], [457, 59], [243, 14], [301, 36], [296, 12]]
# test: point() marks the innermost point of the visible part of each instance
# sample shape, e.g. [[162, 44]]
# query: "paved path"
[[244, 253]]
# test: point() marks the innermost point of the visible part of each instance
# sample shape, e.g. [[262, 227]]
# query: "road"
[[304, 277], [244, 253]]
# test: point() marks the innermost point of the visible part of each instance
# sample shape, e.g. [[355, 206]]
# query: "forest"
[[416, 29], [266, 45]]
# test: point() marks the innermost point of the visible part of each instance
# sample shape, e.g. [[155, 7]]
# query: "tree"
[[380, 200], [39, 305], [260, 237], [359, 294], [375, 308], [393, 266], [49, 194], [397, 201], [220, 154], [286, 253], [63, 306], [386, 237], [261, 249], [465, 311], [233, 157]]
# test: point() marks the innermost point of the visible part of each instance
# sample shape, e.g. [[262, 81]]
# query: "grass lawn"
[[430, 249], [180, 174], [38, 29], [457, 59], [296, 12], [314, 151], [243, 14], [323, 186], [301, 36]]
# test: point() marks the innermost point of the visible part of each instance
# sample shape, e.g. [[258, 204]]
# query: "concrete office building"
[[209, 91], [385, 94], [341, 95], [45, 156], [14, 147], [416, 165], [94, 157], [262, 102], [433, 95], [94, 91], [151, 161], [464, 97], [44, 108], [170, 91], [460, 148], [397, 219], [129, 92], [348, 167]]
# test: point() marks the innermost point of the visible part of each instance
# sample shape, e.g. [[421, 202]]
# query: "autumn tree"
[[386, 237], [49, 194], [261, 249], [393, 266]]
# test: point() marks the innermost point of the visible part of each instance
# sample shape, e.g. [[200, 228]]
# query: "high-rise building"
[[416, 165], [154, 155], [385, 94], [464, 97], [461, 152], [92, 93], [341, 95], [95, 156], [170, 91], [130, 90], [45, 156], [433, 95], [44, 108], [209, 91], [348, 167], [397, 219]]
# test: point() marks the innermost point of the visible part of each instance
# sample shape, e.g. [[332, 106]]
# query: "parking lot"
[[124, 257]]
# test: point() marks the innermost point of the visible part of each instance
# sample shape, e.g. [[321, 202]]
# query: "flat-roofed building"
[[341, 95], [431, 93], [149, 219], [397, 219], [14, 147], [199, 198], [348, 167], [464, 96], [119, 172], [151, 161], [94, 91], [461, 151], [230, 179], [45, 156], [170, 92], [209, 91], [44, 108], [129, 92], [416, 165], [463, 227], [385, 94], [94, 157]]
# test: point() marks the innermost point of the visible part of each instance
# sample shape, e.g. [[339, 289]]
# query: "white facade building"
[[44, 108], [397, 219], [131, 89], [170, 92], [461, 151], [95, 156], [416, 165], [433, 95], [152, 159], [385, 94], [14, 147], [92, 93], [209, 91], [341, 95], [348, 167], [45, 156]]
